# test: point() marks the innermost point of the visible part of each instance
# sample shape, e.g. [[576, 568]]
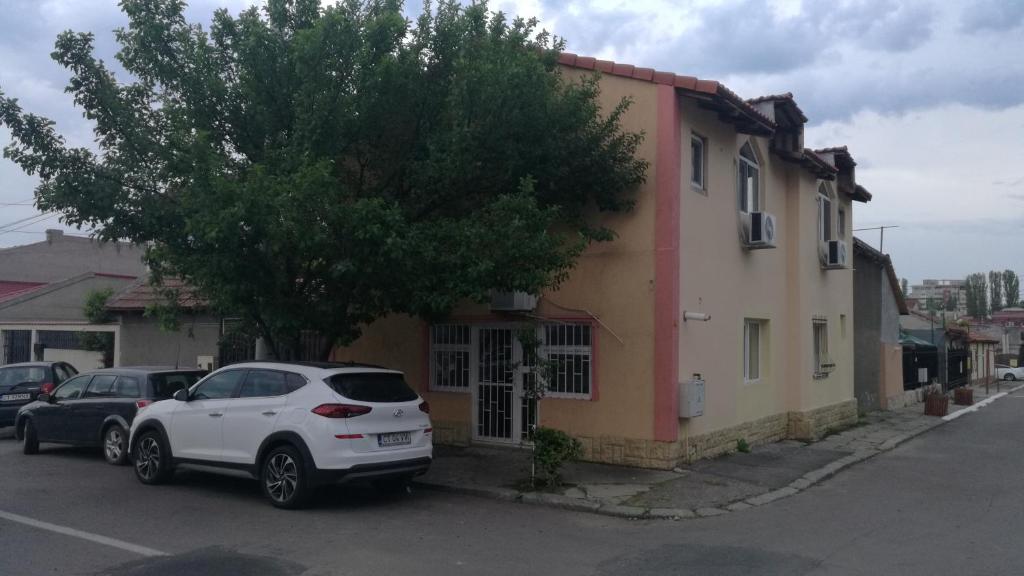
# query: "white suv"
[[292, 426]]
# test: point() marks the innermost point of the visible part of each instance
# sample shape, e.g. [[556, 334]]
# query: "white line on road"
[[141, 550], [983, 403]]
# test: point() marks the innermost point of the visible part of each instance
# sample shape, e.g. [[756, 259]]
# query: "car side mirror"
[[45, 398], [181, 395]]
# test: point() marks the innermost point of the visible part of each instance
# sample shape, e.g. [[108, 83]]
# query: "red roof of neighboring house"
[[12, 289], [141, 295]]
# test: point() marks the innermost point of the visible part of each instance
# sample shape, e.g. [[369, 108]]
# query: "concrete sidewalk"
[[706, 488]]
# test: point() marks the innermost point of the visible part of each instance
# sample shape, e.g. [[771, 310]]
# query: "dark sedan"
[[97, 408], [21, 383]]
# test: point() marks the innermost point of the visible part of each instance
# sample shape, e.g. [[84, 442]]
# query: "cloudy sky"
[[929, 96]]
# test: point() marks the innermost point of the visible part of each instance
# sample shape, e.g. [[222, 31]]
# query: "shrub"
[[742, 445], [551, 449]]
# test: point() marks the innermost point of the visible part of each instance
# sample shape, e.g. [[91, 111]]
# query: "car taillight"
[[46, 387], [425, 407], [140, 404], [341, 410]]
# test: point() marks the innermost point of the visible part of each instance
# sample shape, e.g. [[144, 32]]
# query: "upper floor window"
[[824, 213], [698, 161], [748, 180], [841, 222], [752, 350]]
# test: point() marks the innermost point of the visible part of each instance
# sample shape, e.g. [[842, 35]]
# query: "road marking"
[[141, 550], [983, 403]]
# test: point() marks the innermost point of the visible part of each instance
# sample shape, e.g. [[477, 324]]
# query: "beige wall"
[[785, 286]]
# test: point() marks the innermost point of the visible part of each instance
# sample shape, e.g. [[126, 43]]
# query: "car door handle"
[[216, 414], [269, 413]]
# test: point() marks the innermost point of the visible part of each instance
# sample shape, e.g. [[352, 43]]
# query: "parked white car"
[[1004, 372], [292, 426]]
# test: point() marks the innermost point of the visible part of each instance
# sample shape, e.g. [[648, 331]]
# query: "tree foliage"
[[1011, 288], [95, 311], [315, 168], [995, 286], [976, 287]]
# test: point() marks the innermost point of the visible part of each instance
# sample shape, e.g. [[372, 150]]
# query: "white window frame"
[[579, 349], [824, 210], [823, 365], [752, 326], [699, 181], [749, 195], [448, 346]]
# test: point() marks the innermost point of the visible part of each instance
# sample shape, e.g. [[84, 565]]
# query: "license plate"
[[393, 439], [14, 397]]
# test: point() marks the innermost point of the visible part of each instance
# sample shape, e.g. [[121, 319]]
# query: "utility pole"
[[881, 235]]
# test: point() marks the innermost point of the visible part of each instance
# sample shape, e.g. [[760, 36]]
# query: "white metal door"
[[501, 413]]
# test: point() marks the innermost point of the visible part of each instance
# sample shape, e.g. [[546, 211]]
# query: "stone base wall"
[[813, 424], [763, 431], [630, 452], [451, 432], [810, 425], [910, 397]]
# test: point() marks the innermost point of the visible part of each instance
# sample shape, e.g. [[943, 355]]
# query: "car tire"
[[1009, 377], [283, 478], [115, 445], [29, 438], [152, 458], [392, 485]]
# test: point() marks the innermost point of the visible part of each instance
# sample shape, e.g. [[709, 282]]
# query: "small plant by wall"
[[551, 450], [743, 446]]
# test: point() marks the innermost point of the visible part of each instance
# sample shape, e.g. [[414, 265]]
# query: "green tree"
[[1011, 288], [995, 286], [316, 168], [95, 311], [976, 287]]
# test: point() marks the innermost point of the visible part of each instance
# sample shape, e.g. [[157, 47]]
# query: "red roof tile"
[[13, 289], [689, 83], [141, 295]]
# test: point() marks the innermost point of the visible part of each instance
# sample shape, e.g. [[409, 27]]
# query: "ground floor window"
[[752, 330], [461, 355], [450, 348], [822, 361]]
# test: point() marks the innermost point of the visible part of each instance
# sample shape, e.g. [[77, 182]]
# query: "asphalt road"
[[948, 502]]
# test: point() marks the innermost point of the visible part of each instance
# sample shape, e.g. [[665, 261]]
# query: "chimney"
[[54, 235]]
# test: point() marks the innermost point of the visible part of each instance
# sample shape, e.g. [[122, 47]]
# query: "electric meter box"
[[691, 397]]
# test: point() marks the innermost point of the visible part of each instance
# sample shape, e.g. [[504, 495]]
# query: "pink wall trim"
[[666, 269]]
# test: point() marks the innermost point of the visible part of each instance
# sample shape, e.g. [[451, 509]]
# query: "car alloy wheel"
[[113, 445], [147, 462], [281, 478]]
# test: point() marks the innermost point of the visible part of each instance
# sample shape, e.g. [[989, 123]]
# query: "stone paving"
[[730, 483]]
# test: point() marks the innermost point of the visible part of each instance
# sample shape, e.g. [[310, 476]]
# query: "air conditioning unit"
[[836, 255], [758, 230], [513, 302]]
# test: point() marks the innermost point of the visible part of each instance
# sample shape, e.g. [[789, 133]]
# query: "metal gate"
[[495, 390], [17, 346]]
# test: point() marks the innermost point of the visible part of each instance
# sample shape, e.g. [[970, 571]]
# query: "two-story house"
[[723, 309]]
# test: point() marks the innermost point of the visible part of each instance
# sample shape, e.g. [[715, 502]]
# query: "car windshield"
[[167, 383], [372, 387], [19, 374]]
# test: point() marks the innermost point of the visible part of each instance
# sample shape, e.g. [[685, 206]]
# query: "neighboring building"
[[60, 257], [1010, 324], [145, 343], [877, 306], [983, 358], [627, 328], [43, 287], [951, 342], [45, 322], [940, 292]]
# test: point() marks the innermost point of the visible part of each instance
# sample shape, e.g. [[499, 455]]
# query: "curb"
[[636, 512]]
